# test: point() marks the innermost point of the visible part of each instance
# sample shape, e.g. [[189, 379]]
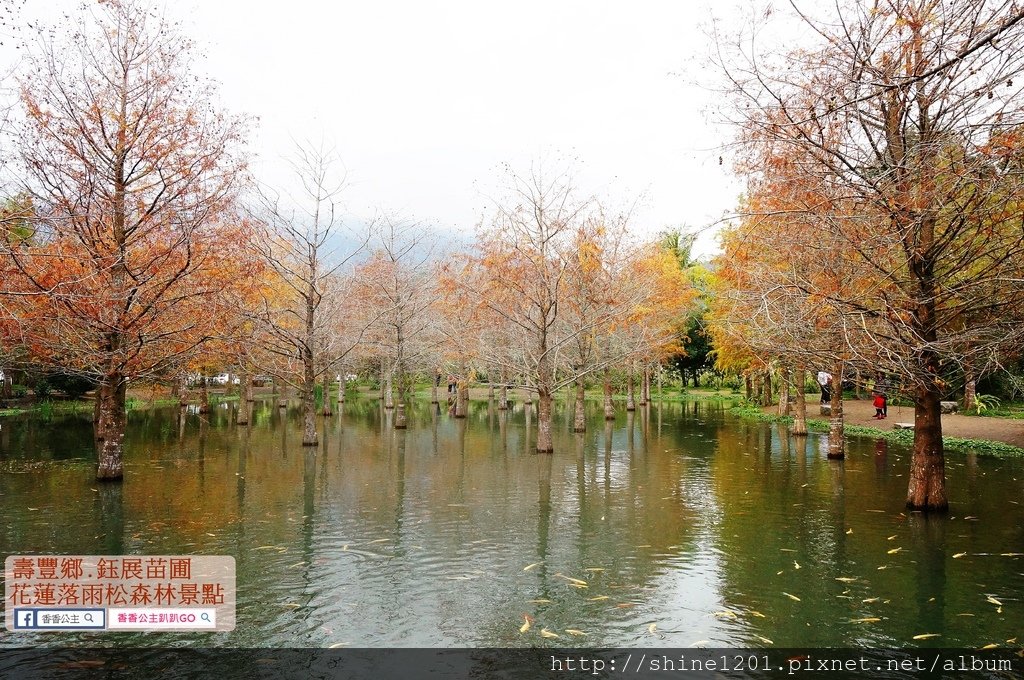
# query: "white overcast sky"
[[424, 100]]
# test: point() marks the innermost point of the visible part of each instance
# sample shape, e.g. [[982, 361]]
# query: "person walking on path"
[[879, 406]]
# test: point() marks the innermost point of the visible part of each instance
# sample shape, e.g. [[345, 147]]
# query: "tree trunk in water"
[[503, 397], [645, 388], [309, 435], [544, 441], [389, 397], [461, 398], [928, 466], [660, 372], [110, 426], [766, 398], [282, 401], [400, 419], [490, 390], [244, 397], [800, 416], [580, 419], [836, 443], [630, 397], [204, 397], [326, 387], [750, 387], [609, 407], [433, 387], [784, 391]]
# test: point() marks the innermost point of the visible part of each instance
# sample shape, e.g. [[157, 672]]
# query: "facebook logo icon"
[[24, 618]]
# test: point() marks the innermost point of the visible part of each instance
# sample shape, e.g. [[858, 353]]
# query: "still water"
[[674, 526]]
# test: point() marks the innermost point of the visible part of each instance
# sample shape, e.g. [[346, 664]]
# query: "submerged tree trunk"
[[580, 416], [244, 397], [836, 436], [544, 442], [387, 392], [461, 397], [325, 384], [645, 389], [609, 407], [309, 435], [927, 489], [204, 396], [503, 396], [110, 426], [630, 397], [433, 387], [800, 415]]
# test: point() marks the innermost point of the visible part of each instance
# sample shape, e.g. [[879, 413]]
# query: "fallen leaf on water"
[[540, 601], [925, 636], [526, 624], [866, 619], [779, 573], [958, 555], [574, 631], [725, 614], [999, 610], [594, 569], [991, 646], [338, 644], [846, 579], [344, 547], [895, 550], [380, 540], [625, 605], [796, 565], [965, 614], [291, 605], [1011, 641], [1011, 554], [993, 600], [792, 597], [891, 537], [266, 547], [570, 579], [699, 643], [754, 612], [764, 639], [870, 600], [578, 585], [598, 598], [884, 566], [651, 628], [849, 531], [548, 634], [786, 550], [209, 534], [532, 566]]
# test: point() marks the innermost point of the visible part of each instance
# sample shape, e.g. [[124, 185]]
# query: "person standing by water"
[[879, 406], [825, 381]]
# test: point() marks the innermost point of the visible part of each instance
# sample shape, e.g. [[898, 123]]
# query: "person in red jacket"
[[879, 406]]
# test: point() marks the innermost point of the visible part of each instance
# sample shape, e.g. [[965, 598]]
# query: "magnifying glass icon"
[[88, 617], [205, 617]]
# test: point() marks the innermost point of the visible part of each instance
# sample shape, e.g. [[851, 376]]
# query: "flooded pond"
[[676, 525]]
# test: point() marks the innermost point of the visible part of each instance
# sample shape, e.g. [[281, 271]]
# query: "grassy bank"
[[906, 437]]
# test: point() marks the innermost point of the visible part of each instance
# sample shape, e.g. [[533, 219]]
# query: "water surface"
[[716, 530]]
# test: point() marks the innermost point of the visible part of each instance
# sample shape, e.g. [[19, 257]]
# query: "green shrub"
[[19, 391]]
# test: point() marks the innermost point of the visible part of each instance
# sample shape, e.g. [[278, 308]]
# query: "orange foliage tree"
[[132, 169]]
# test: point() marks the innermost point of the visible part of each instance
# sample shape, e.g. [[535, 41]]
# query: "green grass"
[[905, 437]]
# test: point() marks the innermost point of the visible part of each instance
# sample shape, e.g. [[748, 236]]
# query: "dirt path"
[[861, 412]]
